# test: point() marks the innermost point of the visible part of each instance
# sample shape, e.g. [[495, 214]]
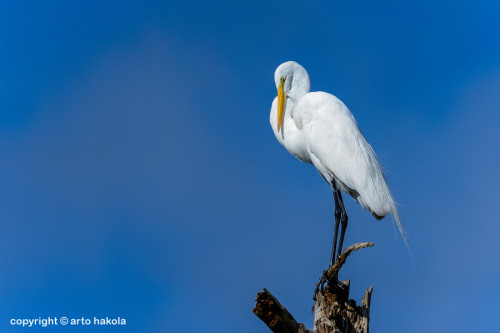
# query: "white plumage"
[[318, 128]]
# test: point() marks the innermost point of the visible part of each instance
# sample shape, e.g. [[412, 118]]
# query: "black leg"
[[343, 221], [338, 212], [340, 217]]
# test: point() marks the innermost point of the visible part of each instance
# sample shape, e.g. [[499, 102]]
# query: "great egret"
[[317, 128]]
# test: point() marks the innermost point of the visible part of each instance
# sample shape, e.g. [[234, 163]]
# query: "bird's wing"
[[339, 150]]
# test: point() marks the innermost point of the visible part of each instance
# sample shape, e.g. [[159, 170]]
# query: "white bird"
[[317, 128]]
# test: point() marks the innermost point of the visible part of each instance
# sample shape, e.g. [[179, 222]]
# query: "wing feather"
[[339, 151]]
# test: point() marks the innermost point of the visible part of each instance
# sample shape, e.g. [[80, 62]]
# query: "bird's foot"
[[323, 281], [320, 285]]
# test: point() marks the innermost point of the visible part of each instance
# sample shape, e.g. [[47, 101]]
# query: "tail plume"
[[395, 216]]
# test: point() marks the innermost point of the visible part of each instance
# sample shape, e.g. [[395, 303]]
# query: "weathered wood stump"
[[333, 310]]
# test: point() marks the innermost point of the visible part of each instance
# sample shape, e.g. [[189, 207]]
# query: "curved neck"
[[298, 91], [291, 136], [289, 128], [292, 99]]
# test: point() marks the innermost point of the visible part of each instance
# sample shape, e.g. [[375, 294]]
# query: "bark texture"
[[275, 315], [333, 310]]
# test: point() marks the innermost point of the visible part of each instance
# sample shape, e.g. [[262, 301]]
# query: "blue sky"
[[140, 177]]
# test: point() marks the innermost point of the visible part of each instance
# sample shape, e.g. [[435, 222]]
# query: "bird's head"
[[292, 82]]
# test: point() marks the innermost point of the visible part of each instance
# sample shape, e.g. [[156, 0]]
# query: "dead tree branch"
[[275, 315], [333, 310]]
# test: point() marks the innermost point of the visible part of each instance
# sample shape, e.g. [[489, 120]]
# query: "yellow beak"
[[281, 103]]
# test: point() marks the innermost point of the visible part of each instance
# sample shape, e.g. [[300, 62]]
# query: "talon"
[[321, 284]]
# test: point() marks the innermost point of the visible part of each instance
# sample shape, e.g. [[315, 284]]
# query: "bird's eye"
[[282, 79]]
